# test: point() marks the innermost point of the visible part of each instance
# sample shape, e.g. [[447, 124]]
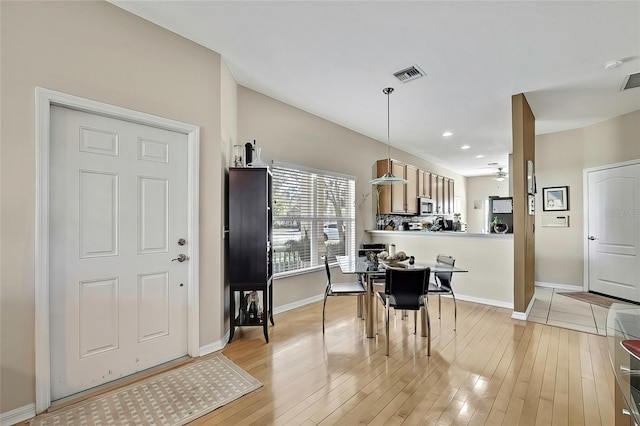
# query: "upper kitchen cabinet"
[[398, 198], [424, 184], [403, 199], [411, 189]]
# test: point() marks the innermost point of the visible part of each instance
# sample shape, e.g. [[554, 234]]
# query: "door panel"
[[98, 214], [98, 316], [118, 207], [614, 231]]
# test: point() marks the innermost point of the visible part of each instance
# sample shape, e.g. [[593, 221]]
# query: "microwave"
[[425, 206]]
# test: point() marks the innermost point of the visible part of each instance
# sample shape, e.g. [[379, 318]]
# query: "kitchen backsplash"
[[396, 221]]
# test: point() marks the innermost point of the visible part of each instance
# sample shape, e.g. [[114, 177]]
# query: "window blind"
[[313, 216]]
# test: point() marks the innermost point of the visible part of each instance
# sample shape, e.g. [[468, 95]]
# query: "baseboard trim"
[[297, 304], [524, 315], [567, 287], [519, 315], [215, 346], [18, 415], [482, 301]]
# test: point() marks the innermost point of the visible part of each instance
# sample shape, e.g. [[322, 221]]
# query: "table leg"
[[369, 306]]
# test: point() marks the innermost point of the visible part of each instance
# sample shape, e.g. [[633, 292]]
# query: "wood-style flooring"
[[493, 371]]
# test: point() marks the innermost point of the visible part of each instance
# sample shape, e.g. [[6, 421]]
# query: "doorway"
[[612, 228], [115, 219]]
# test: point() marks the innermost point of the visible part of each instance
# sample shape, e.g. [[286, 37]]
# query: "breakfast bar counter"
[[488, 257]]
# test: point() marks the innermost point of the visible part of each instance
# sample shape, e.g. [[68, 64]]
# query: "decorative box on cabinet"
[[623, 325], [250, 248]]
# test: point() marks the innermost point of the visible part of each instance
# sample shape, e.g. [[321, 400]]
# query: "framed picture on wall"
[[555, 198]]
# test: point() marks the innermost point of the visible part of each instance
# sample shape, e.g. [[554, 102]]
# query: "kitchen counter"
[[439, 233], [487, 257]]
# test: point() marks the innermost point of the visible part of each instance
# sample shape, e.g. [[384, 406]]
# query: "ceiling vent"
[[631, 81], [409, 74]]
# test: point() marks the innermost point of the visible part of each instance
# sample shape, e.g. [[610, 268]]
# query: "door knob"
[[592, 238], [181, 242], [181, 258]]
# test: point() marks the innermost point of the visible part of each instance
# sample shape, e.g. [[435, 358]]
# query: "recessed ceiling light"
[[479, 156], [612, 64], [447, 134], [465, 147]]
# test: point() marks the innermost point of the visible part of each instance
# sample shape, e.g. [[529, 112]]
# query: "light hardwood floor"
[[494, 370]]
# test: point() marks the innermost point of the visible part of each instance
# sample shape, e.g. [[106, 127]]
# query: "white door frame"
[[585, 210], [46, 98]]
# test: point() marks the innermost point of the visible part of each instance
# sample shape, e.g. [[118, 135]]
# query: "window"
[[313, 215]]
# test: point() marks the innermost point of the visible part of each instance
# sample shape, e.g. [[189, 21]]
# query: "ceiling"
[[333, 58]]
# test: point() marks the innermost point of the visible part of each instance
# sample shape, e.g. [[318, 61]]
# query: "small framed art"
[[555, 198]]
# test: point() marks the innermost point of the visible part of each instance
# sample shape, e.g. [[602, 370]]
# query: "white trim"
[[566, 287], [297, 304], [18, 415], [519, 315], [585, 214], [483, 301], [215, 346], [45, 98]]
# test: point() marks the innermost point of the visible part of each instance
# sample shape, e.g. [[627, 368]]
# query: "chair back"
[[406, 287], [326, 267], [445, 277]]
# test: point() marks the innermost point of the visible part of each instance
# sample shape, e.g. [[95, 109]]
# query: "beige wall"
[[229, 130], [487, 258], [290, 135], [480, 188], [97, 51], [560, 159]]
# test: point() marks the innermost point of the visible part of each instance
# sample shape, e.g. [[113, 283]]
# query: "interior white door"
[[118, 196], [614, 231]]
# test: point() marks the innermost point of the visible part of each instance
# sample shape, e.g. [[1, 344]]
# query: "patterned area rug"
[[594, 299], [172, 398]]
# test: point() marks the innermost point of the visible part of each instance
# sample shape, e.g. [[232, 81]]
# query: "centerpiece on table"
[[393, 260]]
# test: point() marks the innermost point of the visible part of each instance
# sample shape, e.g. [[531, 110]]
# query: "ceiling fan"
[[500, 175]]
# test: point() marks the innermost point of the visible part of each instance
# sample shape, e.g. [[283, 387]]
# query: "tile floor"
[[552, 308]]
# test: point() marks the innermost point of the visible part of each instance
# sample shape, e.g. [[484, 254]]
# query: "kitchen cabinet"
[[446, 209], [250, 250], [424, 184], [411, 189], [439, 199], [403, 199], [452, 206], [397, 198]]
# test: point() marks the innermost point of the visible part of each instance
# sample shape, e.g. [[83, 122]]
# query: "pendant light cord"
[[388, 91]]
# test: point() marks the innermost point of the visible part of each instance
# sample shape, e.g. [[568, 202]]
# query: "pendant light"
[[388, 178]]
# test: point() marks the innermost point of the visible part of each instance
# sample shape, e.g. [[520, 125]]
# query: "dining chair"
[[442, 285], [405, 290], [339, 289]]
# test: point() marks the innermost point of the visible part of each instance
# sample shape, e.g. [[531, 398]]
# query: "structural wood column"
[[523, 127]]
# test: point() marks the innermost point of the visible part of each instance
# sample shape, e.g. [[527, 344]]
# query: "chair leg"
[[426, 331], [439, 308], [415, 322], [455, 312], [386, 324], [326, 293]]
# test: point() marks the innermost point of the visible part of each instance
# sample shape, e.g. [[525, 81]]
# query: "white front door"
[[118, 199], [614, 231]]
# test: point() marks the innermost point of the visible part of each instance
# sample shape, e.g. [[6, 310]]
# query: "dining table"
[[369, 270]]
